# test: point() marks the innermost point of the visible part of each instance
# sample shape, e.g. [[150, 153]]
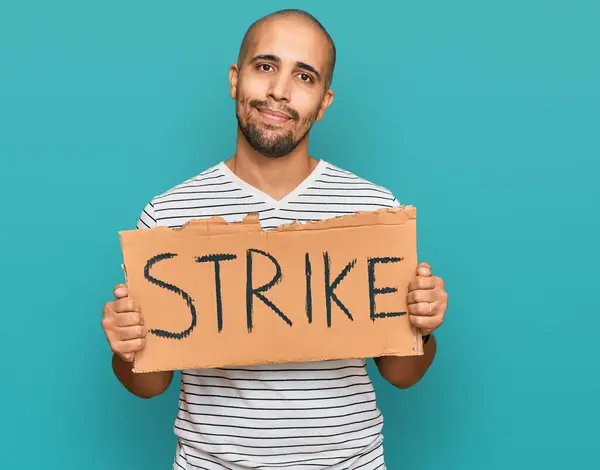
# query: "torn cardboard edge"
[[359, 219], [142, 243]]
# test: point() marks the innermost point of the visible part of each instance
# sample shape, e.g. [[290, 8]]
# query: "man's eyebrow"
[[274, 58], [269, 57], [310, 68]]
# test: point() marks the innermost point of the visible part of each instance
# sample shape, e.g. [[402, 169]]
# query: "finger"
[[129, 319], [416, 296], [132, 332], [421, 309], [421, 282], [127, 357], [424, 322], [130, 346], [126, 304], [120, 291]]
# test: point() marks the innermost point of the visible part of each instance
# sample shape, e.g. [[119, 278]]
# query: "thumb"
[[121, 291], [424, 269]]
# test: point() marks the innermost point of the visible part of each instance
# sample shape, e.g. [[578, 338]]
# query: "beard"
[[265, 139]]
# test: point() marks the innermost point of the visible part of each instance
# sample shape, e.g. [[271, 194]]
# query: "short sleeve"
[[147, 218], [396, 203]]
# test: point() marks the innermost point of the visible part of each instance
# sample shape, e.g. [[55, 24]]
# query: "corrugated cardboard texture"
[[218, 294]]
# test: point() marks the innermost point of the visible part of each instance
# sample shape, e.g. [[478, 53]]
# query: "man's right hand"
[[123, 325]]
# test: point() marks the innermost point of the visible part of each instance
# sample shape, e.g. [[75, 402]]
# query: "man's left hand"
[[427, 300]]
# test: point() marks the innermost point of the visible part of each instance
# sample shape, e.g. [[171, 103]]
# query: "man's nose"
[[280, 88]]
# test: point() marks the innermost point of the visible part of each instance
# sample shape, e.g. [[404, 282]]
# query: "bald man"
[[319, 415]]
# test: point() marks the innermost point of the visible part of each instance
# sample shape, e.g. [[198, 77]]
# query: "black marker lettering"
[[373, 291], [252, 291], [176, 290], [330, 287], [308, 273], [216, 259]]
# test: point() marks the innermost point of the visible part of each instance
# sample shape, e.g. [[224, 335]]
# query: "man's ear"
[[325, 103], [234, 73]]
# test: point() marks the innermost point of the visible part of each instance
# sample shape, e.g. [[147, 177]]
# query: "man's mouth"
[[274, 115]]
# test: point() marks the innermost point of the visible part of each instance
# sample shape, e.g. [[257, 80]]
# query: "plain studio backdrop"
[[484, 115]]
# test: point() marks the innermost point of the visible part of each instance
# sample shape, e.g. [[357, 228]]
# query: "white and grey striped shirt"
[[313, 416]]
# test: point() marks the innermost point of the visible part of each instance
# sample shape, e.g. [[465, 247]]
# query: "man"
[[301, 416]]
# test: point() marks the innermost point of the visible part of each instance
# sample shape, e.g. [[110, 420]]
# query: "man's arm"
[[124, 327], [427, 300], [406, 371], [145, 385]]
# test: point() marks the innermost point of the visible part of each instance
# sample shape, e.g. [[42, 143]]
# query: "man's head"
[[281, 82]]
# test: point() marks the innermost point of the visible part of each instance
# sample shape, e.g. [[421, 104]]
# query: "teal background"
[[485, 115]]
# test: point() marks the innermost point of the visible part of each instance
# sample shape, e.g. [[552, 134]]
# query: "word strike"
[[253, 291]]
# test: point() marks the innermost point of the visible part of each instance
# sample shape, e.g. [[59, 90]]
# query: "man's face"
[[280, 88]]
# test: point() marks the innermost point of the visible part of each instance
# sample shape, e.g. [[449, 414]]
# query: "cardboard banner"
[[219, 294]]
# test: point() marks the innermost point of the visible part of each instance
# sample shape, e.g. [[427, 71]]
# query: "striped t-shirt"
[[319, 415]]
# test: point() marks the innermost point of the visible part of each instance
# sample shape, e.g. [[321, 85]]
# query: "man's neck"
[[276, 177]]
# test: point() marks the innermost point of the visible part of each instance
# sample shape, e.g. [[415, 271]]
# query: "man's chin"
[[272, 143], [273, 151]]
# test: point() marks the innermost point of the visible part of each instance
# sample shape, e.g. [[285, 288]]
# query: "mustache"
[[270, 105]]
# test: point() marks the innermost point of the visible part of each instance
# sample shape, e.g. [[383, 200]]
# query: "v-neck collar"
[[321, 165]]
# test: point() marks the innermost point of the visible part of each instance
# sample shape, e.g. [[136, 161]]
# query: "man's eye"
[[305, 77], [265, 67]]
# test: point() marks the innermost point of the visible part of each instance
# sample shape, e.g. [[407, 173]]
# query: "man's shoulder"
[[211, 173], [207, 177], [335, 173]]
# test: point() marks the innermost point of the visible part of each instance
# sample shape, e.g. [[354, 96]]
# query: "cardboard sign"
[[219, 294]]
